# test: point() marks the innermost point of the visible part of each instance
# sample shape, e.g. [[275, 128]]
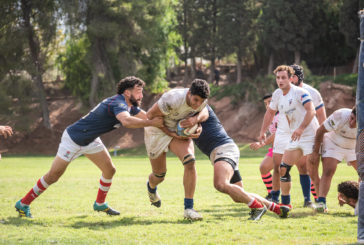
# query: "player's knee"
[[328, 172], [159, 176], [188, 160], [284, 172], [220, 186]]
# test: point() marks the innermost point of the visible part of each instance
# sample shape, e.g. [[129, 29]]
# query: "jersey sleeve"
[[165, 103], [275, 100], [317, 99], [333, 122], [303, 96], [134, 110], [119, 107]]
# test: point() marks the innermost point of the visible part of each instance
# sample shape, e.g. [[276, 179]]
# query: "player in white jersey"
[[175, 105], [296, 105], [305, 169], [338, 137]]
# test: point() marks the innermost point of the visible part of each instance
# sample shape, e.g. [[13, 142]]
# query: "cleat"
[[192, 214], [257, 213], [309, 204], [321, 207], [106, 209], [23, 210], [285, 209], [269, 197], [154, 199]]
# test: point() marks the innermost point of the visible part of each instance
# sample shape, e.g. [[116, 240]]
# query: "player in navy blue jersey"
[[82, 138], [224, 154]]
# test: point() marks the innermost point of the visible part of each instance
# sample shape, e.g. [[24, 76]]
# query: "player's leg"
[[265, 172], [305, 181], [313, 172], [57, 169], [329, 166], [276, 184], [159, 170], [67, 151], [290, 158], [184, 150], [103, 161]]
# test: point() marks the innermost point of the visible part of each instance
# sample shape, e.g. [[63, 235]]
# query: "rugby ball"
[[186, 131]]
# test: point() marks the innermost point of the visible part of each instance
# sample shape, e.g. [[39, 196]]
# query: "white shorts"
[[330, 149], [280, 143], [304, 143], [68, 150], [229, 150], [156, 141]]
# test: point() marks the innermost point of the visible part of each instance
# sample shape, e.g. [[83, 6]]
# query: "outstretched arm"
[[138, 121]]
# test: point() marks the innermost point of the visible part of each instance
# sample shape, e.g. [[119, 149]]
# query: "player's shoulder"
[[277, 92], [179, 92], [312, 90], [343, 112]]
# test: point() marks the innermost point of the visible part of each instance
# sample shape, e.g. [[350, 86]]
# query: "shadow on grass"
[[124, 221]]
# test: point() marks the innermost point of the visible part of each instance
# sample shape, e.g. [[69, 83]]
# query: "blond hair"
[[288, 69]]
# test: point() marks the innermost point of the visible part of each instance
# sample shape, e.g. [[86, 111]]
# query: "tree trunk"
[[35, 53], [270, 64], [185, 77], [193, 67], [97, 70], [211, 78], [297, 57], [238, 69]]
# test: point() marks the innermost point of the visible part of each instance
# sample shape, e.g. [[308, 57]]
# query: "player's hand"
[[6, 131], [297, 134], [314, 159], [262, 137], [188, 122], [197, 133], [256, 145], [157, 122]]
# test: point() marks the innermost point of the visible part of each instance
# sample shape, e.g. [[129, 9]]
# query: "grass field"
[[64, 215]]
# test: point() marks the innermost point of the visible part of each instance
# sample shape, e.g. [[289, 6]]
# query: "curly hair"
[[290, 71], [298, 71], [267, 96], [129, 82], [201, 88], [349, 188]]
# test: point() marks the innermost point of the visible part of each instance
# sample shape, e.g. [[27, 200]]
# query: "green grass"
[[64, 215]]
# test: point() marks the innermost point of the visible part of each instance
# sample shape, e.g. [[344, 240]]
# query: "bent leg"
[[329, 166]]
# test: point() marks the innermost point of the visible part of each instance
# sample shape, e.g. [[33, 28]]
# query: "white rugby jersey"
[[291, 106], [174, 107], [315, 95], [339, 130]]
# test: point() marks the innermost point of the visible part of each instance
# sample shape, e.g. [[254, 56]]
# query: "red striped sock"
[[103, 190], [274, 208], [267, 180], [38, 189], [313, 191], [254, 204]]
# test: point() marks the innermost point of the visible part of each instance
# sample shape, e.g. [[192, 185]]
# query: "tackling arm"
[[138, 121]]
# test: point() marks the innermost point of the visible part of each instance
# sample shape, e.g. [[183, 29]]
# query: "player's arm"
[[154, 111], [310, 113], [198, 118], [321, 114], [6, 131], [138, 121], [257, 145], [268, 118], [314, 159]]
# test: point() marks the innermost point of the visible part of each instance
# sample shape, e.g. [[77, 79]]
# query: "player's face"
[[267, 102], [295, 80], [194, 101], [352, 121], [283, 81], [136, 96]]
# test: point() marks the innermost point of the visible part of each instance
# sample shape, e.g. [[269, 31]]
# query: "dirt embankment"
[[241, 121]]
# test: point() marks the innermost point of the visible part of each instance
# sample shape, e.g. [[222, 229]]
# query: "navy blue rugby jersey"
[[100, 120], [213, 134]]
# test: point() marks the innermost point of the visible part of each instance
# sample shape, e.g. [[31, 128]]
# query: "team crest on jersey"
[[332, 123], [123, 106]]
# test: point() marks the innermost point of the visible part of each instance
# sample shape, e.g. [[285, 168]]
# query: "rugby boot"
[[321, 207], [308, 204], [23, 210], [106, 209], [269, 197], [192, 214], [257, 213], [154, 198], [285, 209]]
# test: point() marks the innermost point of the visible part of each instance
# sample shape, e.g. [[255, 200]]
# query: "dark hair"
[[129, 82], [267, 96], [298, 71], [201, 88], [354, 110], [349, 188]]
